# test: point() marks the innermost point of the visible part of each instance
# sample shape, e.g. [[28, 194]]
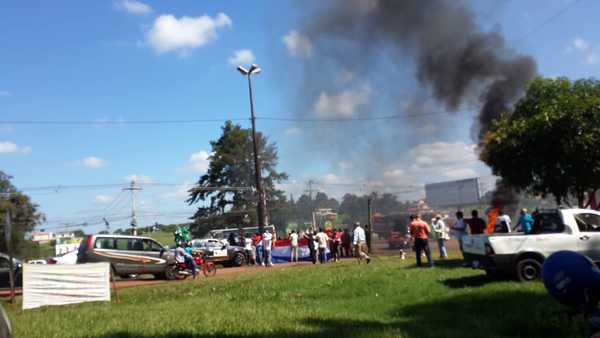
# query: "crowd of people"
[[324, 245], [340, 243], [420, 232]]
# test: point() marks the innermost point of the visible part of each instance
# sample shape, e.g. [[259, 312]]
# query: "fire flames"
[[492, 217]]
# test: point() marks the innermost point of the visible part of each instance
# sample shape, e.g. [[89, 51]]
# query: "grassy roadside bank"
[[388, 298]]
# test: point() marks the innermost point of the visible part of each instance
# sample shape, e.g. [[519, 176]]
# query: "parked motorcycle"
[[574, 280]]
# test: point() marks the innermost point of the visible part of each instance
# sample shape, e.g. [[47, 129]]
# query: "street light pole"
[[262, 208]]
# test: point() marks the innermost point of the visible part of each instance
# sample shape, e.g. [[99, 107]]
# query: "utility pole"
[[133, 188], [310, 189], [7, 238], [369, 222], [262, 208]]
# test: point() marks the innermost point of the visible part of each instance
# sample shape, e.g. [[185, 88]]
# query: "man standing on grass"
[[293, 246], [420, 232], [258, 243], [476, 224], [360, 241], [347, 243], [322, 239], [441, 231], [267, 242]]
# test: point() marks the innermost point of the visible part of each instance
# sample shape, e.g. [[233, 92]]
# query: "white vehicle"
[[36, 261], [523, 255], [66, 258]]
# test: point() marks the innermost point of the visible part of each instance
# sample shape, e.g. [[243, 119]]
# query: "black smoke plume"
[[454, 62]]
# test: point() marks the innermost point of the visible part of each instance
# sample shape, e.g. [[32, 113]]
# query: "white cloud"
[[394, 174], [10, 148], [297, 44], [93, 162], [242, 57], [104, 199], [139, 179], [293, 131], [186, 33], [199, 162], [440, 154], [342, 105], [588, 51], [133, 7], [5, 93], [346, 164], [460, 173], [581, 44]]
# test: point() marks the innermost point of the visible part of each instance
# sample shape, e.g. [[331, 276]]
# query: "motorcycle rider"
[[182, 254]]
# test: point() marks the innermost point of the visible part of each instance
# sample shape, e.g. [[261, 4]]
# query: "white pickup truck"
[[522, 255]]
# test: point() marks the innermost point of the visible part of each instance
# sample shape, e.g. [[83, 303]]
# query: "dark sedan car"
[[5, 268]]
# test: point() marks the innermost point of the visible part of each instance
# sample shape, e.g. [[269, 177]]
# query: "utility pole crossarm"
[[133, 188]]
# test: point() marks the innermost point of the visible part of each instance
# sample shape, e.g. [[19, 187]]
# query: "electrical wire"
[[263, 118]]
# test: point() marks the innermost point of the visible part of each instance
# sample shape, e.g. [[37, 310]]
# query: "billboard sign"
[[453, 193]]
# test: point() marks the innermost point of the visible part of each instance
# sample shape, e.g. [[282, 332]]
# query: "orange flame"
[[492, 217]]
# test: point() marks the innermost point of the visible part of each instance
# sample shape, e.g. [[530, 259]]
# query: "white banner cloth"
[[50, 284]]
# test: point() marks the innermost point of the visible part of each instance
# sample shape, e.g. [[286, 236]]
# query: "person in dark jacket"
[[311, 246]]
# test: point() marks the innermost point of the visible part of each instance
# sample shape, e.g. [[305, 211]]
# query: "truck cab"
[[522, 255]]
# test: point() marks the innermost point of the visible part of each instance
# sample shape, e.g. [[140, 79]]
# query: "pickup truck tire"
[[238, 259], [529, 269]]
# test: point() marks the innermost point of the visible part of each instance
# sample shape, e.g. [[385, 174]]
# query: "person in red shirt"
[[419, 230], [476, 224]]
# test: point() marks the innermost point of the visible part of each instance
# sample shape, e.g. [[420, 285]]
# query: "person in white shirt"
[[322, 240], [460, 229], [267, 242], [359, 240], [503, 223], [441, 231], [249, 249], [293, 246]]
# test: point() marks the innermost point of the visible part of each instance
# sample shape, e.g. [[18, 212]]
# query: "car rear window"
[[548, 223]]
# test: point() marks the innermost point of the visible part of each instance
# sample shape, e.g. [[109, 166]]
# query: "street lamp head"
[[254, 69], [242, 70]]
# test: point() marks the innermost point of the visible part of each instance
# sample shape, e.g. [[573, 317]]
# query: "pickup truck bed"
[[522, 255]]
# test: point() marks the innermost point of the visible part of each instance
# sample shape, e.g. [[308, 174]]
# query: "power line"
[[117, 122], [551, 18], [264, 118]]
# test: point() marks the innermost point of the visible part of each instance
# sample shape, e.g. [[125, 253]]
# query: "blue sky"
[[129, 60]]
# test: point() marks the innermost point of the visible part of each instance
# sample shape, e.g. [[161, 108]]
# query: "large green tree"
[[231, 166], [550, 144], [24, 214]]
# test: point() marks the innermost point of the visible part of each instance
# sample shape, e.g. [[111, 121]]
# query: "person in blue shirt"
[[525, 222]]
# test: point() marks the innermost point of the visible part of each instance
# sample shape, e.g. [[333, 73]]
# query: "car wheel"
[[529, 269], [238, 259]]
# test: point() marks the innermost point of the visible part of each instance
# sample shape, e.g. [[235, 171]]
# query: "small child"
[[405, 246]]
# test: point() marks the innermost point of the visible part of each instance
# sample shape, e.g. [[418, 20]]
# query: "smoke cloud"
[[436, 44]]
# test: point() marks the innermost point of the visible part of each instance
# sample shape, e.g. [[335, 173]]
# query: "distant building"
[[42, 237]]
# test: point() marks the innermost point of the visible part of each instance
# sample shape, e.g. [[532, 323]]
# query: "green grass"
[[388, 298]]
